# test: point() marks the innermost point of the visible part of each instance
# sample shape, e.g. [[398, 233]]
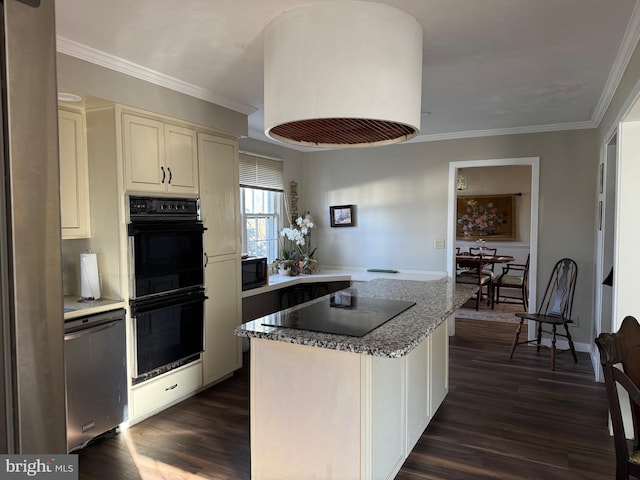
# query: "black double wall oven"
[[166, 258]]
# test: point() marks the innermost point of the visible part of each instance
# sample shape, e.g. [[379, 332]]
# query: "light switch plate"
[[440, 243]]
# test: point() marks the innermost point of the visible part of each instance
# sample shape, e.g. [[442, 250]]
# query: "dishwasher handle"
[[91, 329]]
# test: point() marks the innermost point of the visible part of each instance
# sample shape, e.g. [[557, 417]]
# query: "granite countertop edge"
[[436, 301]]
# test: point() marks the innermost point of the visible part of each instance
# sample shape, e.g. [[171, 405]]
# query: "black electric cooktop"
[[342, 314]]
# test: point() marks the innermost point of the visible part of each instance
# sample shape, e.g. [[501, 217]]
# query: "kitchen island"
[[327, 406]]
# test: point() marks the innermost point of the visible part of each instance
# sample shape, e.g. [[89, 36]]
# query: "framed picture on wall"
[[342, 216], [488, 217]]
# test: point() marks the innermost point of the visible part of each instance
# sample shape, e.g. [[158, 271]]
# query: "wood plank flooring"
[[502, 419]]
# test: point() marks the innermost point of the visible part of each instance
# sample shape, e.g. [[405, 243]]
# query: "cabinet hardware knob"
[[170, 174], [171, 387], [164, 174]]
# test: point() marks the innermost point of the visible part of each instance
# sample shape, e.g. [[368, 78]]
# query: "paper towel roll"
[[89, 278]]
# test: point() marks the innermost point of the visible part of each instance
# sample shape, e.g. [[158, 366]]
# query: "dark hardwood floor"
[[502, 419]]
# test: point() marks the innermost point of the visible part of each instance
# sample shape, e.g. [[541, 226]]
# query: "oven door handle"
[[151, 304], [138, 228]]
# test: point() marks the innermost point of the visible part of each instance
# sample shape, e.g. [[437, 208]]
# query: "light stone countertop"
[[83, 309], [436, 301]]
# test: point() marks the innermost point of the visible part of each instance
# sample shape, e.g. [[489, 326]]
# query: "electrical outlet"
[[440, 243]]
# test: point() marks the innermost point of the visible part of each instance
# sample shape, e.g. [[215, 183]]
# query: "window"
[[261, 199], [261, 220]]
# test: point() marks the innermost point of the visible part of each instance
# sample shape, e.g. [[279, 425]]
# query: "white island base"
[[323, 414]]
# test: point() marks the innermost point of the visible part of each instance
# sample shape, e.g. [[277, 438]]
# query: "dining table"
[[484, 259], [465, 262]]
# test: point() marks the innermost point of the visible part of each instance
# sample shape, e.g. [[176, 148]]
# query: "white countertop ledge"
[[334, 274], [86, 308]]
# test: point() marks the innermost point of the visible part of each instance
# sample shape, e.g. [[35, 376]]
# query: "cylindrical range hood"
[[342, 74]]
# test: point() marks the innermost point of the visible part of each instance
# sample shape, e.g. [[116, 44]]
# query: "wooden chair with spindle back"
[[554, 310]]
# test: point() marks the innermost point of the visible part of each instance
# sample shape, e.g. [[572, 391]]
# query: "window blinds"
[[261, 172]]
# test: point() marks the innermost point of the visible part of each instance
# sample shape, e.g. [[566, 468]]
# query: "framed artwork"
[[342, 216], [488, 217]]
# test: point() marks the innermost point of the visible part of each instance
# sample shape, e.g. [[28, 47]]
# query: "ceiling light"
[[461, 181], [68, 97], [343, 74]]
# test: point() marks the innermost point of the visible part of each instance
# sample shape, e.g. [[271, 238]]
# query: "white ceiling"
[[489, 66]]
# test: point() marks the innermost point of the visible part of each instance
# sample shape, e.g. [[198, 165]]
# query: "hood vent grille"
[[327, 132]]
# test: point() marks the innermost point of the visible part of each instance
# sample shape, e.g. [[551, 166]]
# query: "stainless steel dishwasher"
[[96, 376]]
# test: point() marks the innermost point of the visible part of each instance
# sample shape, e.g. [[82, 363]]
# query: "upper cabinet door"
[[219, 194], [181, 159], [144, 162], [74, 175], [159, 157]]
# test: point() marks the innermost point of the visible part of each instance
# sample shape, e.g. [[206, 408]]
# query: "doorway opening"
[[454, 169]]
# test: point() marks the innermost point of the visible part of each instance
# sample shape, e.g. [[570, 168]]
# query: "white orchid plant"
[[298, 236]]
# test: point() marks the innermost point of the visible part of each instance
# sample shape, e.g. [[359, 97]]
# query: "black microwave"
[[254, 272]]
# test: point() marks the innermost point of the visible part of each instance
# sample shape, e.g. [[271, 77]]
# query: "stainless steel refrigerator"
[[32, 395]]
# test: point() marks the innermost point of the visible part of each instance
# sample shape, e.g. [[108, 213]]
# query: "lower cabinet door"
[[222, 349]]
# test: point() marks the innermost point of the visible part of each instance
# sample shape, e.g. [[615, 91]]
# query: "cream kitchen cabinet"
[[222, 310], [159, 157], [219, 205], [219, 194], [74, 174]]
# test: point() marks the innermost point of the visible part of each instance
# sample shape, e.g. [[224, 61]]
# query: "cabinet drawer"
[[159, 393]]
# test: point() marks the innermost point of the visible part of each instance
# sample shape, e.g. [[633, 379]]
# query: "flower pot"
[[284, 271]]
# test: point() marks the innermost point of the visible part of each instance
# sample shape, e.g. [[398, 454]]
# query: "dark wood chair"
[[470, 271], [487, 268], [623, 348], [484, 251], [515, 278], [554, 310]]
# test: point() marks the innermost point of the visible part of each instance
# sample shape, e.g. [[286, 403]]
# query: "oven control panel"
[[159, 208]]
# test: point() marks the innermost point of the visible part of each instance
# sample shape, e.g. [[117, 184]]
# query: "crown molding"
[[98, 57], [628, 45], [556, 127]]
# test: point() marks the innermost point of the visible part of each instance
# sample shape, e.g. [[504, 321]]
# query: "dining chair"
[[470, 271], [487, 268], [623, 348], [515, 278], [554, 310], [483, 250]]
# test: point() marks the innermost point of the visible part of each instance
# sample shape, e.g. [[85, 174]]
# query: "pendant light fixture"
[[342, 74], [461, 181]]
